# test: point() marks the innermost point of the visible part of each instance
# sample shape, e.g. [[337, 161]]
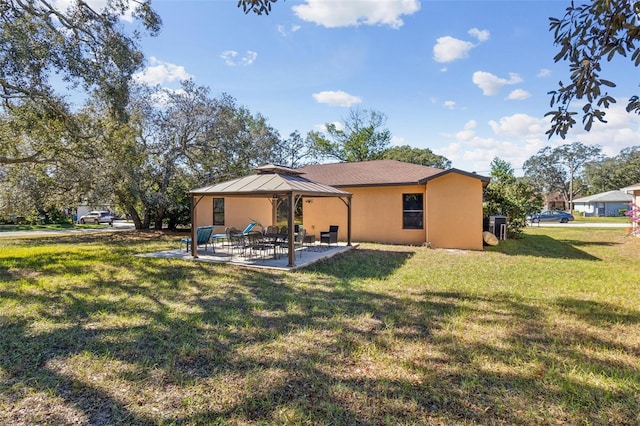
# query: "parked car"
[[551, 216], [97, 217]]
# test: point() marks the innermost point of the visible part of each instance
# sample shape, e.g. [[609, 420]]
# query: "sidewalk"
[[117, 226]]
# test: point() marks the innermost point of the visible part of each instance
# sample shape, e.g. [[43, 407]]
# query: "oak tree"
[[589, 35]]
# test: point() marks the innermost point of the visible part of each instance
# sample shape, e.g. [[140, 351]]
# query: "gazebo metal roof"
[[271, 181], [268, 184]]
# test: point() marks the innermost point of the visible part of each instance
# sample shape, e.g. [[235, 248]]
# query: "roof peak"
[[277, 169]]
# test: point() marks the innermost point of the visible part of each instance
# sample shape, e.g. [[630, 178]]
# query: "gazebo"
[[276, 183]]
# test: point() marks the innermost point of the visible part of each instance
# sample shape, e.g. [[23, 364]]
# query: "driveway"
[[118, 225]]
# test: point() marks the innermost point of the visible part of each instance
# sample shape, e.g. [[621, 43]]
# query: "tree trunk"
[[159, 218], [137, 222]]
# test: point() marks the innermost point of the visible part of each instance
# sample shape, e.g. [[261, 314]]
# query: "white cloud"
[[520, 125], [518, 95], [449, 49], [397, 141], [492, 84], [449, 104], [159, 72], [336, 98], [621, 130], [233, 58], [338, 13], [517, 137], [544, 72], [481, 35], [285, 32]]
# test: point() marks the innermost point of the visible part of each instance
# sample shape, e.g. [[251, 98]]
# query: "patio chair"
[[256, 244], [299, 241], [249, 227], [271, 230], [203, 237], [330, 236], [236, 241]]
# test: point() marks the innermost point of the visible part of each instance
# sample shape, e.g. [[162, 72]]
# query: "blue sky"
[[467, 79]]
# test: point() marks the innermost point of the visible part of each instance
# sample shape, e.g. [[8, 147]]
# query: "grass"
[[601, 219], [541, 330]]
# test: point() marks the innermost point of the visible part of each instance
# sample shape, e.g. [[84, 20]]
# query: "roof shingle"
[[374, 173]]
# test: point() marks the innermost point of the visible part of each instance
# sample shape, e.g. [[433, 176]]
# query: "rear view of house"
[[400, 203], [384, 201]]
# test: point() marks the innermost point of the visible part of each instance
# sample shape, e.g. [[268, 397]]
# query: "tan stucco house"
[[384, 201], [401, 203]]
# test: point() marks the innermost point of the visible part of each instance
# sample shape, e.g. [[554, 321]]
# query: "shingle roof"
[[376, 173], [606, 197]]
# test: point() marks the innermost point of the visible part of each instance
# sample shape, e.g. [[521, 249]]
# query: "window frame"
[[217, 212], [418, 213]]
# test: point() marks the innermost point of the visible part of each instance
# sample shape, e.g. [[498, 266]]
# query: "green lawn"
[[543, 330], [605, 219]]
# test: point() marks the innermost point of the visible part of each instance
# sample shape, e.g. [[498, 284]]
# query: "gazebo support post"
[[194, 231], [194, 247], [348, 204], [290, 216], [348, 221]]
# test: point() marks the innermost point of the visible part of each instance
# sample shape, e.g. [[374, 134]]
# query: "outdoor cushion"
[[330, 236]]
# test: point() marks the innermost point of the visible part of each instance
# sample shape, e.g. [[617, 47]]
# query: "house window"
[[218, 211], [412, 211]]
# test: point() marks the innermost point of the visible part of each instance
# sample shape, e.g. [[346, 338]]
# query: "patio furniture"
[[249, 227], [330, 236], [203, 237], [299, 241], [255, 243], [236, 241]]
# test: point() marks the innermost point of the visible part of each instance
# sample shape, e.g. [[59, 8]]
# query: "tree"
[[363, 137], [423, 156], [614, 173], [239, 141], [560, 169], [294, 151], [588, 35], [506, 195], [256, 6], [174, 141], [85, 46]]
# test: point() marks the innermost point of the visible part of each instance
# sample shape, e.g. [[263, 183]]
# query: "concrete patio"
[[304, 256]]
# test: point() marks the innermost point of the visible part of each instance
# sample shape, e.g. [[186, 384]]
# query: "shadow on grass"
[[154, 341], [598, 314], [544, 246]]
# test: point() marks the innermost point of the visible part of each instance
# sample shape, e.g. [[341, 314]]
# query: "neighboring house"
[[400, 203], [384, 201], [554, 201], [608, 203]]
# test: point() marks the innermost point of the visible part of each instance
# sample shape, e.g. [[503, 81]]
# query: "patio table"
[[274, 239], [218, 237]]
